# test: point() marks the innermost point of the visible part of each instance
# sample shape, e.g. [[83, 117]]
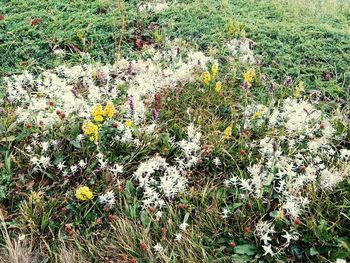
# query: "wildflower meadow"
[[174, 131]]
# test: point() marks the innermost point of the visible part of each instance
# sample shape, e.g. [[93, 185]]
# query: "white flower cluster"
[[108, 198], [243, 49], [255, 114], [155, 6], [161, 181], [264, 230], [56, 94], [191, 148], [304, 155]]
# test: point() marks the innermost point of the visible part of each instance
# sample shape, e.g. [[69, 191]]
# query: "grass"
[[293, 38], [307, 40]]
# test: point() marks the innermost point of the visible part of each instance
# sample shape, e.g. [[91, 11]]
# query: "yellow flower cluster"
[[109, 110], [98, 112], [214, 70], [258, 114], [129, 123], [206, 77], [218, 87], [84, 193], [249, 75], [228, 132], [299, 89], [91, 130]]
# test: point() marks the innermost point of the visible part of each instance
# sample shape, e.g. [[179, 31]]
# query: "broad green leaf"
[[246, 249], [145, 219], [313, 251]]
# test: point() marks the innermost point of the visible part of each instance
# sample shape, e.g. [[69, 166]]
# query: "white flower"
[[82, 164], [103, 163], [34, 160], [265, 238], [233, 181], [158, 248], [29, 148], [329, 178], [345, 154], [107, 198], [225, 212], [59, 52], [117, 168], [178, 237], [159, 215], [44, 146], [268, 250], [61, 166], [217, 161], [80, 137], [44, 161], [183, 226], [73, 168], [287, 236]]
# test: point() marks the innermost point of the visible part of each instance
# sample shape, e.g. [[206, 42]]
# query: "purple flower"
[[132, 105], [288, 81], [246, 86], [130, 69], [157, 104], [272, 88], [155, 114]]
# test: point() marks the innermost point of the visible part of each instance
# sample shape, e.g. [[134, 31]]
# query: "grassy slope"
[[292, 41], [293, 38]]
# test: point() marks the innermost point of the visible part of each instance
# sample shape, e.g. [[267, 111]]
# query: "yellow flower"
[[129, 123], [206, 77], [299, 89], [214, 70], [90, 130], [249, 76], [259, 112], [109, 110], [218, 86], [84, 193], [228, 132], [97, 112]]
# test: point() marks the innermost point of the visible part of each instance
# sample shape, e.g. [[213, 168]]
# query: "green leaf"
[[234, 206], [246, 249], [186, 217], [76, 144], [274, 213], [240, 258], [2, 128], [23, 135], [221, 194], [145, 219], [129, 190], [313, 251], [12, 126], [8, 139]]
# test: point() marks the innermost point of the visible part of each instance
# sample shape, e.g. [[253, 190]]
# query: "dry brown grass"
[[18, 250]]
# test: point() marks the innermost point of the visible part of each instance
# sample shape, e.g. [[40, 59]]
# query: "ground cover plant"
[[179, 131]]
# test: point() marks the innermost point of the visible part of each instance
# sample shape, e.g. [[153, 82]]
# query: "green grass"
[[292, 38]]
